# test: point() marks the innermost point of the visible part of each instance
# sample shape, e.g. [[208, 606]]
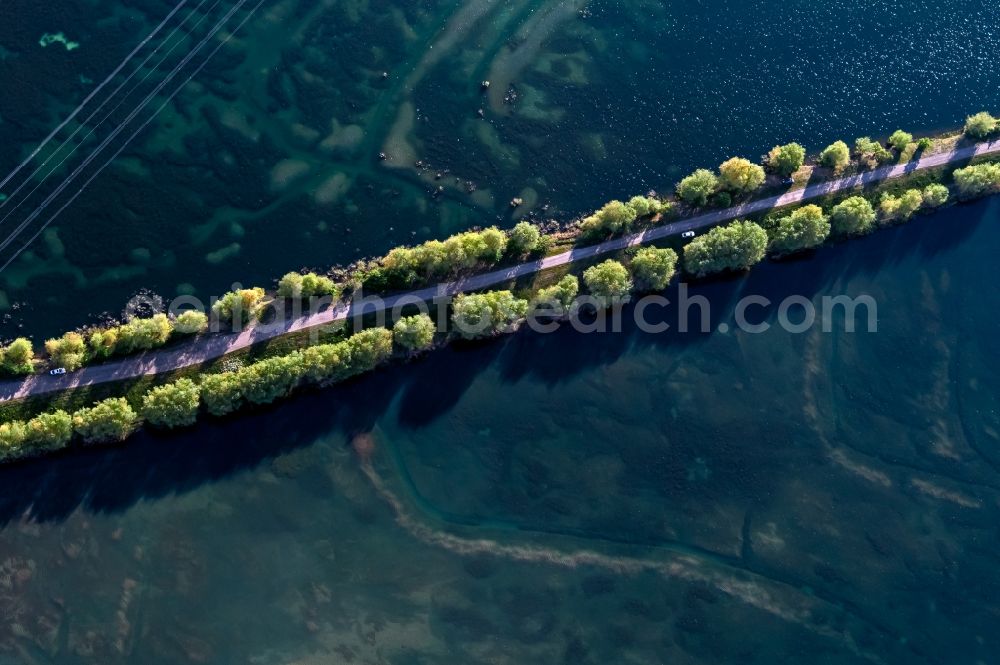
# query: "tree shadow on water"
[[154, 465], [924, 237], [436, 383], [555, 357]]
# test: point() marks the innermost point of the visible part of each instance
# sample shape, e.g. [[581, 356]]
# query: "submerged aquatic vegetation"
[[58, 38]]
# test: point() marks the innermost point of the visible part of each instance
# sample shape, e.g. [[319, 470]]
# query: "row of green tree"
[[740, 245], [237, 308], [18, 357], [178, 404], [267, 380], [435, 260], [498, 312], [616, 217], [74, 350], [734, 247], [978, 180], [739, 176]]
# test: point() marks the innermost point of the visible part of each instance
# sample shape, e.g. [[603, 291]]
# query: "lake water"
[[565, 498], [268, 161]]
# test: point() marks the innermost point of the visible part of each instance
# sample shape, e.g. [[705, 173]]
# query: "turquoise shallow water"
[[568, 498]]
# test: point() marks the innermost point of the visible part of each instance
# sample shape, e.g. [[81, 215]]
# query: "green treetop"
[[608, 282], [13, 435], [978, 179], [50, 431], [560, 295], [191, 322], [414, 333], [107, 421], [19, 357], [980, 125], [805, 228], [740, 175], [736, 246], [614, 217], [653, 268], [935, 195], [900, 140], [901, 208], [524, 239], [43, 433], [68, 351], [222, 393], [310, 285], [172, 405], [143, 334], [911, 201], [835, 156], [697, 187], [645, 206], [487, 314], [871, 152], [786, 159], [239, 307], [365, 351], [852, 216], [272, 378]]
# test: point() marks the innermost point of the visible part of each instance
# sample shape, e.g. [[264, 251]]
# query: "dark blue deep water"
[[822, 497]]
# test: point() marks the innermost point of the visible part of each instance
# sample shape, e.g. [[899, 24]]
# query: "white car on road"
[[687, 234], [57, 371]]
